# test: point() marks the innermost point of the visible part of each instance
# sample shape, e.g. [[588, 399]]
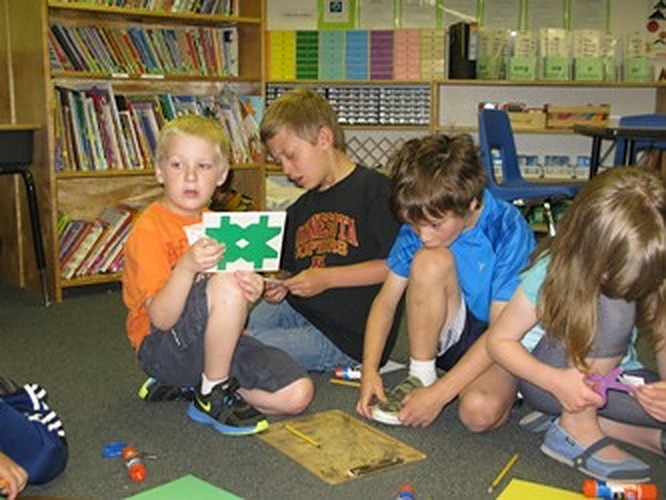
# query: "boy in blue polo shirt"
[[458, 259]]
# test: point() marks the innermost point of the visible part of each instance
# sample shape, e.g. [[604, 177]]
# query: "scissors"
[[604, 383]]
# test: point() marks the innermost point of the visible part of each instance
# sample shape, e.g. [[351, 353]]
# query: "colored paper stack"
[[357, 55], [331, 55], [281, 55], [432, 49], [406, 44], [381, 55], [307, 55]]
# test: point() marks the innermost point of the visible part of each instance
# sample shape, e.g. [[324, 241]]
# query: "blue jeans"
[[281, 326]]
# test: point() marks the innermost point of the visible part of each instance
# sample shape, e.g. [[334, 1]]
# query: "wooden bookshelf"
[[27, 95]]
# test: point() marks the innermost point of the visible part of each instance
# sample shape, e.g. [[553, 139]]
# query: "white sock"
[[425, 371], [208, 384]]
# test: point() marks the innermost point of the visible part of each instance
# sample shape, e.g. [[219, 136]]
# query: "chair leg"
[[36, 233], [550, 220]]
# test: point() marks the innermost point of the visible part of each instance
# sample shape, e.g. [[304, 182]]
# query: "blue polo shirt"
[[488, 256]]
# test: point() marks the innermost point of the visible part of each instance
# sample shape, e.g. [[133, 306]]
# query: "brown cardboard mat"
[[337, 447]]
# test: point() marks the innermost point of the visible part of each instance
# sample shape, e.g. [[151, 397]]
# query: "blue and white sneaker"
[[226, 411]]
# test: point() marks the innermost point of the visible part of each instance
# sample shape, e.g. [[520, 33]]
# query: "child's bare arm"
[[166, 306], [314, 281]]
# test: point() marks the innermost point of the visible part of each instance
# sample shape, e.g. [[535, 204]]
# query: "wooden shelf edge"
[[96, 279], [149, 14]]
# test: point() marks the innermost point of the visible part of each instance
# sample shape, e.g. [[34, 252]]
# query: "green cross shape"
[[248, 243]]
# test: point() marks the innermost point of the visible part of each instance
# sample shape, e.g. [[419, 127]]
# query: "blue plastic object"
[[496, 140], [113, 449], [646, 120]]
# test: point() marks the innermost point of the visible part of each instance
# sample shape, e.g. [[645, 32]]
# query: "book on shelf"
[[217, 7], [97, 129], [113, 219], [75, 243], [72, 264], [69, 237]]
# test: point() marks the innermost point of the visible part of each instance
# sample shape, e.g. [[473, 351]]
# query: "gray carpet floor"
[[79, 352]]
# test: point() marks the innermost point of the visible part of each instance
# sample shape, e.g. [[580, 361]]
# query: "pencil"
[[348, 383], [512, 461], [300, 435]]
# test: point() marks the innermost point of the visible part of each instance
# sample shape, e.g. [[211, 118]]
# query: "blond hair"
[[198, 126], [304, 112], [611, 241]]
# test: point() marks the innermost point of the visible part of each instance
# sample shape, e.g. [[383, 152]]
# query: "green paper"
[[556, 68], [522, 68], [589, 69], [488, 68], [246, 241], [637, 69], [186, 487]]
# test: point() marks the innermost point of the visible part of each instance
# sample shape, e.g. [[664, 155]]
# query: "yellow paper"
[[519, 489]]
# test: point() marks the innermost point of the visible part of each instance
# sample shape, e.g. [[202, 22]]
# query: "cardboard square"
[[337, 447], [253, 240]]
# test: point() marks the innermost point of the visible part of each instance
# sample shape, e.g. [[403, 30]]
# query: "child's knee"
[[479, 412], [433, 264], [225, 286], [297, 396]]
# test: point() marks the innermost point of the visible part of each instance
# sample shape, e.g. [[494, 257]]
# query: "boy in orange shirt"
[[186, 325]]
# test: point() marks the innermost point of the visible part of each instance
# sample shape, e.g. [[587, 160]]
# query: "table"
[[629, 134], [16, 150]]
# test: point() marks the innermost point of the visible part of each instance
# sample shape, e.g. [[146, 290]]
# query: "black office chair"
[[16, 148], [496, 134]]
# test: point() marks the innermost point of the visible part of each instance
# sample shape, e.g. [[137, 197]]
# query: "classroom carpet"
[[78, 350]]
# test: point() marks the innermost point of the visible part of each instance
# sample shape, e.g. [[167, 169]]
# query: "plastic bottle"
[[620, 491], [405, 492], [348, 373], [135, 466]]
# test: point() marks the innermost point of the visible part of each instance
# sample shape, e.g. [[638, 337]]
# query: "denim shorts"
[[176, 356]]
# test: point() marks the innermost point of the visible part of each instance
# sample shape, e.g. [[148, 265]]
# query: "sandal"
[[559, 445]]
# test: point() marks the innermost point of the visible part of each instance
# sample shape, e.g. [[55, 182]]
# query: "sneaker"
[[387, 413], [226, 411], [153, 390]]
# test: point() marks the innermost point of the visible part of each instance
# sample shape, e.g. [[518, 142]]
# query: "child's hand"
[[574, 393], [308, 283], [13, 478], [371, 387], [652, 397], [203, 254], [274, 291], [251, 284]]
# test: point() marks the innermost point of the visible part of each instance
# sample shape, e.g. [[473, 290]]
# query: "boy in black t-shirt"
[[337, 237]]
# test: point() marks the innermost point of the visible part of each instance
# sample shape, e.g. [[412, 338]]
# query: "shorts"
[[176, 356], [456, 339]]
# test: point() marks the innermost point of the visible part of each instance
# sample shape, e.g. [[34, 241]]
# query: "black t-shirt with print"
[[346, 224]]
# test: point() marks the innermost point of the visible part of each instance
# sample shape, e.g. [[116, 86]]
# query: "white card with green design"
[[253, 240]]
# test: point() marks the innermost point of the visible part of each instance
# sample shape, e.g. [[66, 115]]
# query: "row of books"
[[192, 51], [94, 247], [218, 7], [97, 130]]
